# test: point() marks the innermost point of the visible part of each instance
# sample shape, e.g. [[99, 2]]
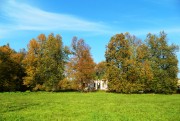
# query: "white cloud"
[[22, 16]]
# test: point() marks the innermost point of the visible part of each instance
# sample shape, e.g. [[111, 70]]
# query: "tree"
[[100, 70], [128, 68], [52, 62], [117, 57], [81, 65], [31, 63], [163, 62], [11, 70], [134, 66], [145, 70], [45, 62]]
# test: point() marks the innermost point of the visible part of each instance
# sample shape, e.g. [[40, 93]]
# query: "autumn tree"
[[133, 65], [81, 64], [100, 70], [31, 63], [11, 69], [118, 59], [145, 71], [128, 68], [45, 62], [52, 62], [163, 62], [140, 72]]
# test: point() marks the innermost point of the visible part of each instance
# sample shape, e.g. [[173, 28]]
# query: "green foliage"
[[52, 62], [100, 70], [163, 62], [133, 66], [122, 67], [45, 62], [100, 106]]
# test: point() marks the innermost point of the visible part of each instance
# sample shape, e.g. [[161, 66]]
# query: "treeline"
[[46, 65], [149, 66], [131, 65]]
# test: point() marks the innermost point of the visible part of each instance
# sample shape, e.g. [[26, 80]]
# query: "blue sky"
[[93, 20]]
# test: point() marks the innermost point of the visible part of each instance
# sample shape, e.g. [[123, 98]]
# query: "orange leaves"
[[33, 47], [81, 66], [42, 38], [6, 49], [30, 78], [11, 69]]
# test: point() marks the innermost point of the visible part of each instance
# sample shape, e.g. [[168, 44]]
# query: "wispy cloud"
[[22, 16], [16, 16]]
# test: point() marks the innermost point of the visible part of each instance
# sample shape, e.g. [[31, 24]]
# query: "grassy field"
[[98, 106]]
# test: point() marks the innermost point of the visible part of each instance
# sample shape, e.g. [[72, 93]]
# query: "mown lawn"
[[98, 106]]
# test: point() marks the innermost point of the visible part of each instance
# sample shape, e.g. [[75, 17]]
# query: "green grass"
[[99, 106]]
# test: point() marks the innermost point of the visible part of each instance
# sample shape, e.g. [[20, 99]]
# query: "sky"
[[95, 21]]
